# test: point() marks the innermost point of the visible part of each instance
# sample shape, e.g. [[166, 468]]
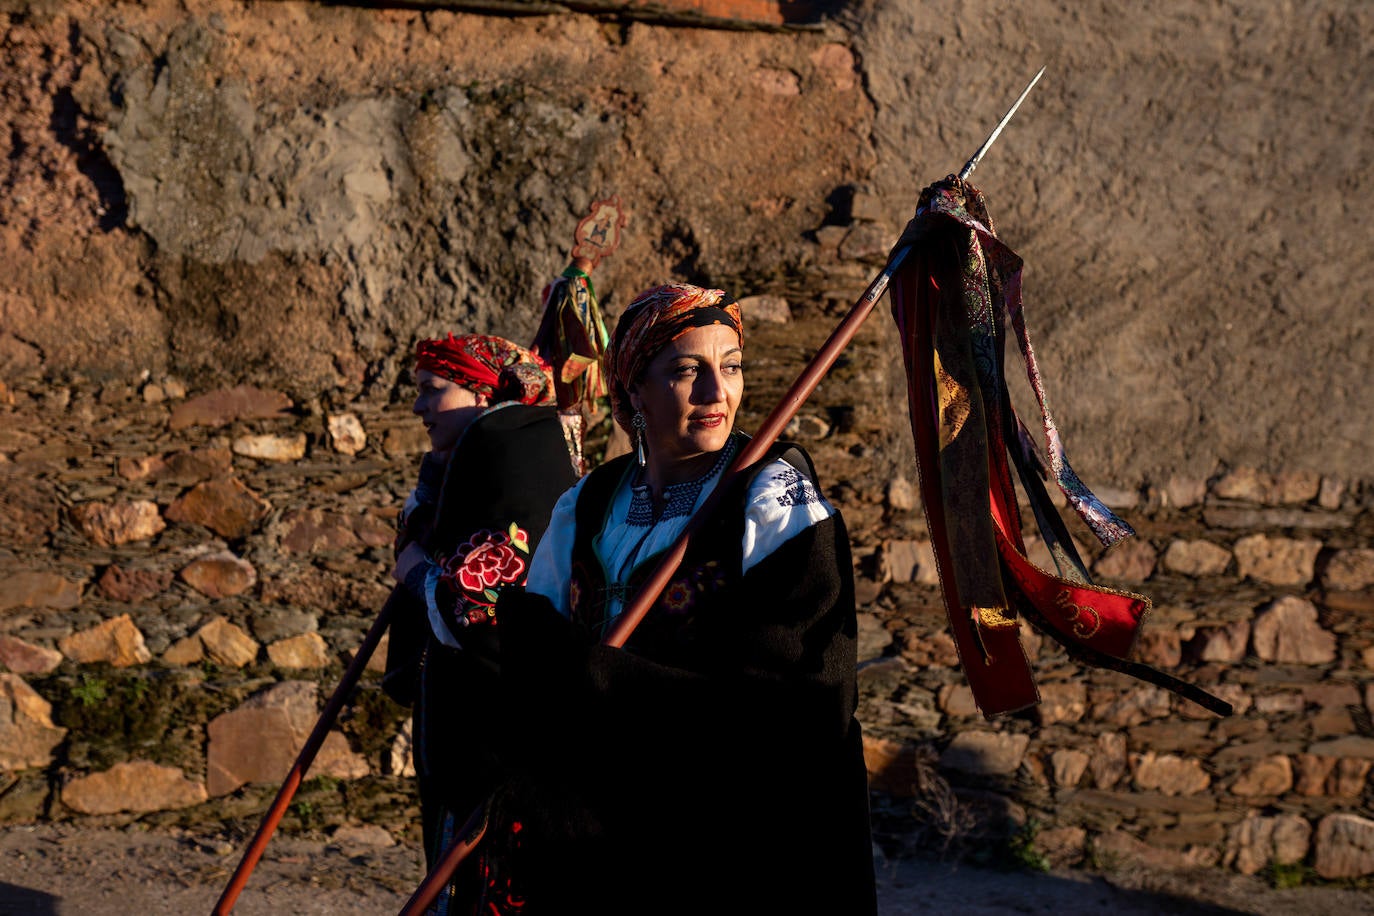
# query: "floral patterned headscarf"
[[490, 366], [656, 318]]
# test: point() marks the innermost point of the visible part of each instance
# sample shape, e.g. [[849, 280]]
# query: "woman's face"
[[446, 408], [689, 394]]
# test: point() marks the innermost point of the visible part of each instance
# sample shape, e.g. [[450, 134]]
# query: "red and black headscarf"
[[656, 318], [490, 366]]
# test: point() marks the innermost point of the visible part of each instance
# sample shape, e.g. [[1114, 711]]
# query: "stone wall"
[[224, 224], [187, 575]]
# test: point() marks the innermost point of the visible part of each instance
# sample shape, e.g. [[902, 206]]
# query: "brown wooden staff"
[[306, 756], [597, 235], [753, 450]]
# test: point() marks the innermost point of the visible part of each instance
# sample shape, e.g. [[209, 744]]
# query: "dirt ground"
[[59, 870]]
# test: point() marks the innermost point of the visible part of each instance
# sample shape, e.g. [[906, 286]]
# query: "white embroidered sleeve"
[[782, 503]]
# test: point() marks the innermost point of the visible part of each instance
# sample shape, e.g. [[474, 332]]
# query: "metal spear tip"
[[973, 162]]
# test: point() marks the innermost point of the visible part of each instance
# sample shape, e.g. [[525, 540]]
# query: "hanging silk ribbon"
[[954, 297]]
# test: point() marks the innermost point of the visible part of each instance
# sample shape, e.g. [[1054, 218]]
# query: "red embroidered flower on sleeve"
[[487, 561]]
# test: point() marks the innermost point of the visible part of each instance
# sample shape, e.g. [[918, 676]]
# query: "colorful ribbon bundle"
[[954, 297]]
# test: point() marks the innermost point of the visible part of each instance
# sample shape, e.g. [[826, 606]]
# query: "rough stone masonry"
[[224, 224]]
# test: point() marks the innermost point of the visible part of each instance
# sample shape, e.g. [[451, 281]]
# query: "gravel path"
[[59, 870]]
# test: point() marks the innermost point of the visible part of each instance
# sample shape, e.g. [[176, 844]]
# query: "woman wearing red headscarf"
[[497, 463], [714, 763]]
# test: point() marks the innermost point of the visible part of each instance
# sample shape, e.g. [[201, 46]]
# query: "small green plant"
[[90, 692], [306, 811], [321, 784], [1021, 845], [138, 689], [1287, 875]]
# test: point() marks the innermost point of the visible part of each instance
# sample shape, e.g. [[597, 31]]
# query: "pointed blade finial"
[[973, 163]]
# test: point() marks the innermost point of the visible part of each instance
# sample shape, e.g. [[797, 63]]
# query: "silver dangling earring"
[[640, 425]]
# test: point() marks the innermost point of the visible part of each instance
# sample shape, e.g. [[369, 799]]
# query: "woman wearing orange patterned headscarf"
[[497, 462], [714, 763]]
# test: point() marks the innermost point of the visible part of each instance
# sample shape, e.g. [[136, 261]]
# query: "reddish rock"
[[1067, 766], [1062, 702], [1280, 703], [1108, 764], [268, 447], [900, 495], [1277, 560], [1335, 777], [1182, 492], [1331, 492], [409, 439], [1349, 570], [956, 701], [186, 651], [132, 585], [1287, 631], [1196, 558], [1344, 847], [908, 561], [935, 650], [1349, 779], [361, 837], [219, 575], [1121, 846], [1160, 648], [186, 468], [1269, 777], [1169, 774], [39, 589], [259, 741], [25, 658], [309, 650], [117, 642], [1131, 560], [891, 766], [346, 433], [112, 524], [1225, 644], [985, 753], [226, 507], [1258, 842], [139, 786], [1062, 847], [222, 407], [27, 733], [1251, 485], [316, 531], [1133, 705], [376, 529], [376, 662], [1311, 773], [771, 309], [226, 644], [29, 510]]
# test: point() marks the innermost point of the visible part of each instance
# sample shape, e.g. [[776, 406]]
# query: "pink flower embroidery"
[[487, 560]]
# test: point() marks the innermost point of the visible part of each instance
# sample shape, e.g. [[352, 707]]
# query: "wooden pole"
[[768, 433], [306, 756]]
